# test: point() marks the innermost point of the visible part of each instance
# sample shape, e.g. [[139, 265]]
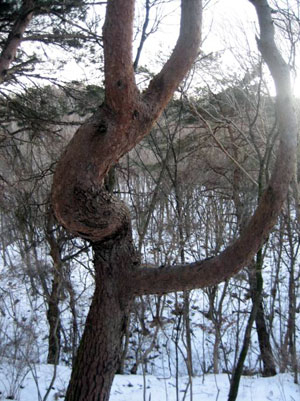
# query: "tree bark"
[[53, 317], [54, 295], [269, 368], [99, 352]]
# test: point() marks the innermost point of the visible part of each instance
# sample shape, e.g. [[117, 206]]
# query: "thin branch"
[[144, 35], [219, 143]]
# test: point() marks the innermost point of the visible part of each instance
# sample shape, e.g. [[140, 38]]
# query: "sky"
[[229, 27]]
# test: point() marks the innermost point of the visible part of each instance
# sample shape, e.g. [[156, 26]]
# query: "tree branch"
[[78, 198], [143, 35], [212, 271], [120, 88], [15, 37], [164, 84]]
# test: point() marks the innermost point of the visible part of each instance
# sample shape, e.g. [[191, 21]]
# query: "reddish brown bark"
[[100, 348], [15, 37], [122, 121]]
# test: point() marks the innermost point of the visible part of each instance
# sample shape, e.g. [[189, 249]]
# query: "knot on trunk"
[[94, 214]]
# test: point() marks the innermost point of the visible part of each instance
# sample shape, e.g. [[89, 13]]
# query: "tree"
[[83, 206], [123, 119]]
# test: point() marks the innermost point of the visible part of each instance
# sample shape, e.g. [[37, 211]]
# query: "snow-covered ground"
[[139, 388]]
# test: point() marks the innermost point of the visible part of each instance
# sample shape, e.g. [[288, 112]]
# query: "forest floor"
[[149, 388]]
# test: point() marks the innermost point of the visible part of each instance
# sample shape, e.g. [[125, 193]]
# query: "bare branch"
[[212, 271], [219, 143], [143, 36]]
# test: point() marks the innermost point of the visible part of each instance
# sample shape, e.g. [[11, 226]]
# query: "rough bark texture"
[[121, 122], [269, 368], [256, 285], [100, 348], [84, 207]]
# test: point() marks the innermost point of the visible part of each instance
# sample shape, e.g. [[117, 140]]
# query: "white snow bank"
[[136, 387]]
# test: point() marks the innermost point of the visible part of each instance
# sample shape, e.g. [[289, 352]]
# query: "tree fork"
[[119, 124]]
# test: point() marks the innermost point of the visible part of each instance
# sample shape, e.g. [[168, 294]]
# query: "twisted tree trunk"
[[84, 207]]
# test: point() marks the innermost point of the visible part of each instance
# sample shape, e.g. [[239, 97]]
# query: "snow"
[[137, 387]]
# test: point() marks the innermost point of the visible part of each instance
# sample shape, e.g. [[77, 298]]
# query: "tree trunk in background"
[[54, 295], [269, 368], [15, 37], [235, 381], [256, 315], [53, 317], [75, 329], [238, 371], [256, 278], [291, 337]]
